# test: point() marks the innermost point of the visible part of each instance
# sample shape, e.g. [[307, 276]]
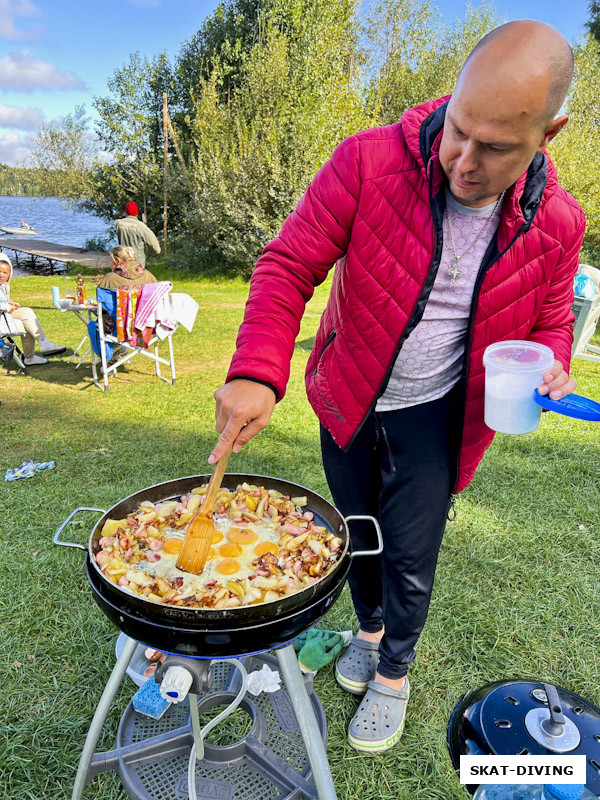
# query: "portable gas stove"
[[286, 743]]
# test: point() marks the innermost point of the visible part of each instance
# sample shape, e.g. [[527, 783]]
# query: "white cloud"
[[25, 119], [25, 72], [10, 10], [14, 148]]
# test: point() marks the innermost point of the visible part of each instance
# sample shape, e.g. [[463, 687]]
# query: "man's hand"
[[243, 409], [557, 383]]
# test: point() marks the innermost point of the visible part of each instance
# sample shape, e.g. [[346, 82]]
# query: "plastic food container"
[[138, 662], [513, 370]]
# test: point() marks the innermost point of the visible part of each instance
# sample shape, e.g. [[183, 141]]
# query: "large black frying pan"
[[206, 633]]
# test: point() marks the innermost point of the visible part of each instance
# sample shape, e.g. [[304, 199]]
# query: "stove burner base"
[[282, 752]]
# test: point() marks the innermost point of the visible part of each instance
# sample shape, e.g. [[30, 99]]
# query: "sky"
[[56, 54]]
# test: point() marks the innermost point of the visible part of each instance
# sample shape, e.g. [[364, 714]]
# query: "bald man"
[[448, 231]]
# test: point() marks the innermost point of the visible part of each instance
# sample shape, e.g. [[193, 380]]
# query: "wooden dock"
[[48, 257]]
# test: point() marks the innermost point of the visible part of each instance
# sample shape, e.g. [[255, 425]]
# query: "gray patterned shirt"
[[429, 363]]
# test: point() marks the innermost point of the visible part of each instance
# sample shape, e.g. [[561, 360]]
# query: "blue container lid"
[[563, 791], [573, 405]]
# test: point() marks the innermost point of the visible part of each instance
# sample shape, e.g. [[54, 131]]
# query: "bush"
[[100, 243]]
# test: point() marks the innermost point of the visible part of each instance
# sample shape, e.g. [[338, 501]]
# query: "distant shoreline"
[[34, 196]]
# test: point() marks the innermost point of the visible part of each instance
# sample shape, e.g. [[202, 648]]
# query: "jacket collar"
[[522, 199]]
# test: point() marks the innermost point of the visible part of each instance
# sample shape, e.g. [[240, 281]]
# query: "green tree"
[[130, 130], [593, 23], [63, 154], [413, 56], [19, 182], [297, 95], [576, 150], [228, 35]]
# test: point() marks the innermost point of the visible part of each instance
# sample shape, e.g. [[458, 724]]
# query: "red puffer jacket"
[[376, 209]]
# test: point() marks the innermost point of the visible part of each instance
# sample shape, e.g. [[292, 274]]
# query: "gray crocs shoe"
[[357, 666], [378, 724]]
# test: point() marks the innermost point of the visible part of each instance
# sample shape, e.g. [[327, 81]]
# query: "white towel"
[[161, 320], [164, 322], [183, 309]]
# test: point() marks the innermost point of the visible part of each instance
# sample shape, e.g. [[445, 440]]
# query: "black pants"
[[401, 469]]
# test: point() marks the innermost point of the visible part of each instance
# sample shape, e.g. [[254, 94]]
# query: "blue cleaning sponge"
[[149, 701]]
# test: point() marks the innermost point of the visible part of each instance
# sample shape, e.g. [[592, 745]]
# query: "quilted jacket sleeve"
[[311, 240], [554, 324]]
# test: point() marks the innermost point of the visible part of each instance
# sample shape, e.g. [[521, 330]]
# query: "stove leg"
[[108, 695], [305, 715]]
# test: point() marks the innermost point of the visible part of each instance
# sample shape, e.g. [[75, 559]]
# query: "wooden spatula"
[[198, 537]]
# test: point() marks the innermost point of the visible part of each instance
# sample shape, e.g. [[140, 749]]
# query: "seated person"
[[126, 271], [27, 317]]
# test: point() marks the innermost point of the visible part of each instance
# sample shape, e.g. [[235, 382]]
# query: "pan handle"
[[379, 536], [66, 522]]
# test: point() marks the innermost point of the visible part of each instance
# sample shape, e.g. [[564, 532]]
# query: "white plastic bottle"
[[555, 791]]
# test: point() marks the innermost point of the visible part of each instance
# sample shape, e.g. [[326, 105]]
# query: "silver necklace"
[[454, 271]]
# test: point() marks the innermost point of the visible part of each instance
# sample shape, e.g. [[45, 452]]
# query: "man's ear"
[[554, 128]]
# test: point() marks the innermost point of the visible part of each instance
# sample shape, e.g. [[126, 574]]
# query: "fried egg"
[[230, 557]]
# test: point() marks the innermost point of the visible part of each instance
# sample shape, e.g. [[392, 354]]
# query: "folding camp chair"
[[11, 329], [587, 315], [103, 344]]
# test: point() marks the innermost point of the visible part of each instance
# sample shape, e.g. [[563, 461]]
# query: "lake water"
[[52, 220]]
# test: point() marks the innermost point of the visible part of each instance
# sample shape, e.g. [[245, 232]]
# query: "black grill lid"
[[516, 717]]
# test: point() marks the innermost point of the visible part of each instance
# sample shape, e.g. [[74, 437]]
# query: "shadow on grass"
[[306, 344], [59, 372]]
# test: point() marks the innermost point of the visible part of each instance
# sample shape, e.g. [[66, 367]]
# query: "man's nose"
[[467, 161]]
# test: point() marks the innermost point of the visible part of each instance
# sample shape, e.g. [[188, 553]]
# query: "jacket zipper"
[[483, 270], [451, 516], [328, 341], [418, 309]]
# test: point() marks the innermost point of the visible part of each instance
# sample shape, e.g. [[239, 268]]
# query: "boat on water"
[[28, 231]]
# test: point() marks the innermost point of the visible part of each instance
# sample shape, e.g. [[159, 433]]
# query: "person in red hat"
[[132, 232]]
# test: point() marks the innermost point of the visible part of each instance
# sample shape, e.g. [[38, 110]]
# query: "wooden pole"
[[166, 161], [177, 150]]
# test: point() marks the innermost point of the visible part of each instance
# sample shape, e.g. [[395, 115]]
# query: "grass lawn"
[[517, 590]]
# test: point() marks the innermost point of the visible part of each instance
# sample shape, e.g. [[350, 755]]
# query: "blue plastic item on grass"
[[513, 791], [508, 791], [27, 469]]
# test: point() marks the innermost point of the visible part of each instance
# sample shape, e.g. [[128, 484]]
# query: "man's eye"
[[496, 149]]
